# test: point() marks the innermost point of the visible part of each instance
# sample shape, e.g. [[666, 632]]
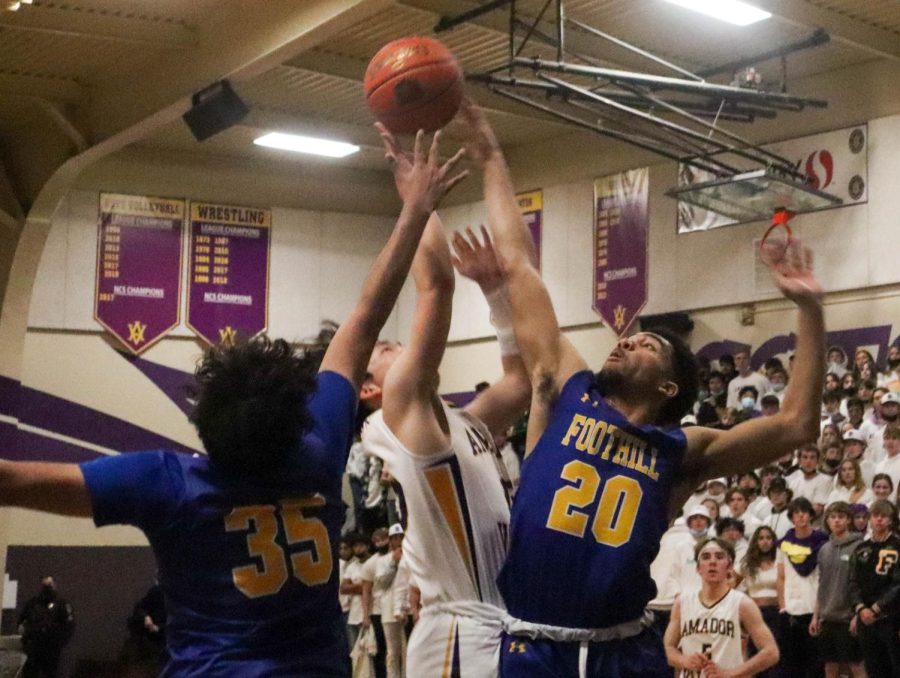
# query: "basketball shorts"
[[638, 656], [447, 644]]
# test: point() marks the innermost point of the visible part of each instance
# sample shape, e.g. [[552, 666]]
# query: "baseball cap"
[[890, 397], [853, 434], [395, 529], [721, 481], [699, 510]]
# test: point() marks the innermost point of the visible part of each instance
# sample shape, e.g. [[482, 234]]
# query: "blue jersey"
[[589, 513], [249, 568]]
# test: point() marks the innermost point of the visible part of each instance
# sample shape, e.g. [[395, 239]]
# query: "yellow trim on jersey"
[[448, 653], [443, 486]]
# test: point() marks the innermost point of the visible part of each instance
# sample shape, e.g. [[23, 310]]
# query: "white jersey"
[[457, 508], [714, 631]]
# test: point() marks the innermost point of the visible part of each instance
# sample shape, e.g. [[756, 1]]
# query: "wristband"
[[501, 319]]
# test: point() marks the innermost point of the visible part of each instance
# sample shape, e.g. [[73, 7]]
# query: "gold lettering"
[[596, 437], [582, 442], [622, 451], [640, 465], [612, 433], [574, 427], [652, 470]]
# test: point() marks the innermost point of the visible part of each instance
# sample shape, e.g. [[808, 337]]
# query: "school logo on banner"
[[836, 162], [228, 288], [138, 278], [621, 228]]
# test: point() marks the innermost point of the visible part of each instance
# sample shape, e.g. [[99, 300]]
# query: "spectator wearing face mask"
[[674, 571], [748, 400], [778, 380], [745, 377]]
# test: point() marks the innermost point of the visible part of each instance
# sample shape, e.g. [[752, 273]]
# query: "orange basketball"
[[413, 83]]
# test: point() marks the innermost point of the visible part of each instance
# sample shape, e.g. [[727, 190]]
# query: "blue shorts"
[[640, 656]]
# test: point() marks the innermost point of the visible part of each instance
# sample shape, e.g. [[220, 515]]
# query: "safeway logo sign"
[[820, 169]]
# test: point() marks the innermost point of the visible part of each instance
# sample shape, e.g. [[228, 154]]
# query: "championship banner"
[[138, 280], [228, 288], [621, 227], [531, 204], [837, 162]]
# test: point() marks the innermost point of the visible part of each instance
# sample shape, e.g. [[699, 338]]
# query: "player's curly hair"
[[251, 403], [685, 371]]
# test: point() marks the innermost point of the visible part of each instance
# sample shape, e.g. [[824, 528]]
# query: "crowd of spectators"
[[816, 532]]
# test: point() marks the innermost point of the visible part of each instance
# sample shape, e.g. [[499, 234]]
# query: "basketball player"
[[447, 464], [246, 538], [606, 463], [704, 634]]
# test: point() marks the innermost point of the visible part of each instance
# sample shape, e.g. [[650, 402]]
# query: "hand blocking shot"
[[607, 464]]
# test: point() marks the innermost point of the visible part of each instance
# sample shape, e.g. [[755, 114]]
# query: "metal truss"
[[678, 117]]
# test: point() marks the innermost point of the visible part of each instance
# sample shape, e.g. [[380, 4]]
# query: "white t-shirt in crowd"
[[815, 489], [754, 379], [380, 570], [841, 493], [799, 592], [353, 572]]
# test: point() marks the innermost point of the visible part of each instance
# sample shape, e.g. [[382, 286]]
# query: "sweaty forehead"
[[661, 341]]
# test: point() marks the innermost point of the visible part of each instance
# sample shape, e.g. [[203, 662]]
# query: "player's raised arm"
[[549, 357], [411, 382], [500, 405], [45, 486], [422, 182], [760, 441]]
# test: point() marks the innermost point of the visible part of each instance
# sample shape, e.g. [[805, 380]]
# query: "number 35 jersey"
[[457, 507], [589, 513], [248, 566]]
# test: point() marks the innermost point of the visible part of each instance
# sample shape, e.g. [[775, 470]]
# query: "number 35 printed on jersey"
[[610, 527], [312, 567]]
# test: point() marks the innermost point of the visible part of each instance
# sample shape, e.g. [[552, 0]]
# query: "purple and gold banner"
[[621, 226], [228, 288], [138, 280], [531, 204]]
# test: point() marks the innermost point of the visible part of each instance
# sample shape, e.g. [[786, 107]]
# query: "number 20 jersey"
[[589, 514]]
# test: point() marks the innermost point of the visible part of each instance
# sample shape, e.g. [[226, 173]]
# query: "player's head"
[[657, 365], [715, 558], [251, 403], [383, 356]]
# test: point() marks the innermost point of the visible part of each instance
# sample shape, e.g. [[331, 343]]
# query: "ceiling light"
[[13, 5], [301, 144], [732, 11]]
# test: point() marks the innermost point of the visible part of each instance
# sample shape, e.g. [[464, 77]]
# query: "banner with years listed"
[[138, 276], [228, 288], [621, 230]]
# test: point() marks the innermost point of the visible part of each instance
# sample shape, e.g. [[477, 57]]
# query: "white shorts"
[[447, 643]]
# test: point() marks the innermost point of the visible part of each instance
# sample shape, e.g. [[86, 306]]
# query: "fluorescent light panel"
[[732, 11], [302, 144]]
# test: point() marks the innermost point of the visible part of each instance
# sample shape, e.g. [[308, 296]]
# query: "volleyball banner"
[[138, 279], [621, 228], [531, 204], [836, 162], [228, 288]]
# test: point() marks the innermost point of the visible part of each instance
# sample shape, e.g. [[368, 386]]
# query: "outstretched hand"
[[481, 142], [421, 180], [792, 272], [477, 260]]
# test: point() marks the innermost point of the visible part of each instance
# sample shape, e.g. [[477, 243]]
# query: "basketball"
[[413, 83]]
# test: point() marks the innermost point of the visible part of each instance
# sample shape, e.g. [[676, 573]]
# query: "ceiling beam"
[[236, 43], [60, 21], [846, 30], [58, 89]]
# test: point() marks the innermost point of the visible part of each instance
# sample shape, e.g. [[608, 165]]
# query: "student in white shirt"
[[850, 486], [807, 482], [890, 465]]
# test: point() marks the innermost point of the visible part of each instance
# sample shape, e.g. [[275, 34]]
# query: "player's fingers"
[[390, 143], [461, 245], [451, 163], [455, 180], [418, 153], [457, 264], [473, 239], [808, 258], [795, 255], [434, 153], [486, 237]]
